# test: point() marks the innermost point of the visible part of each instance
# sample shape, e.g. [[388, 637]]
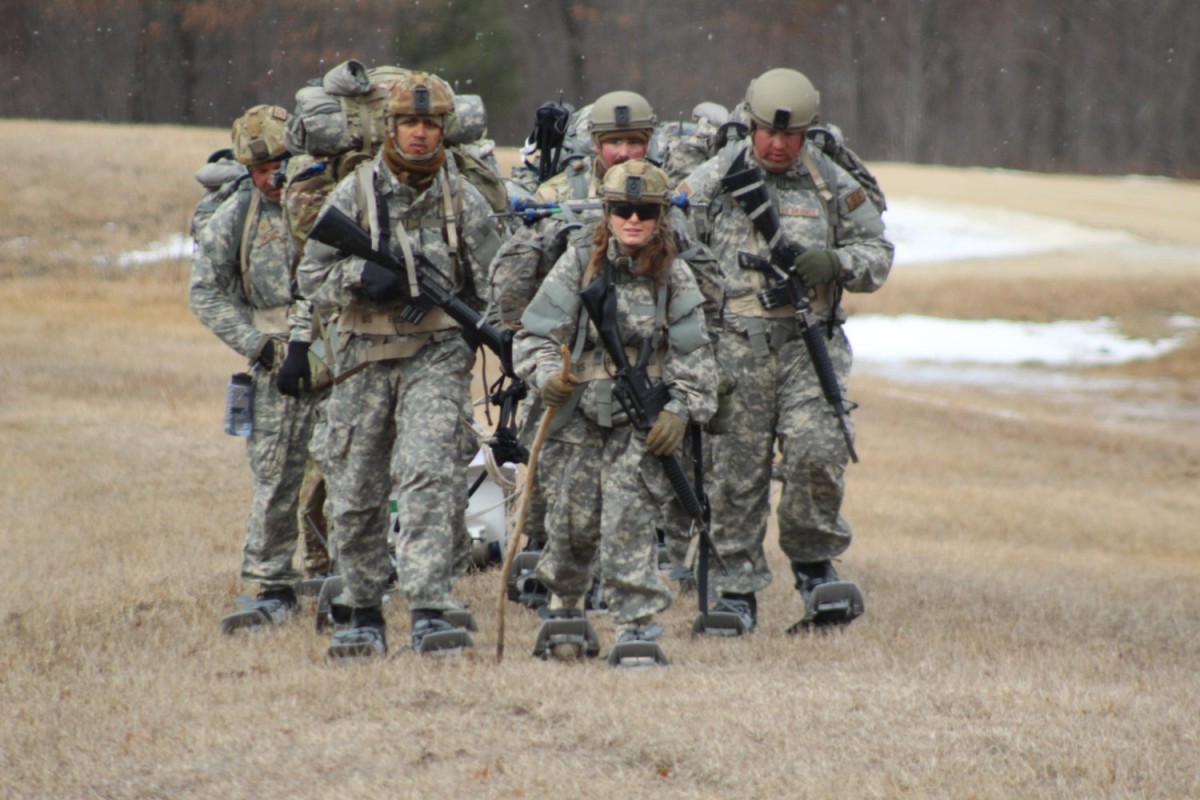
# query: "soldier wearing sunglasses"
[[608, 492]]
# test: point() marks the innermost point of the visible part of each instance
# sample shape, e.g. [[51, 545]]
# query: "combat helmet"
[[782, 100], [621, 111], [636, 181], [258, 135], [419, 94]]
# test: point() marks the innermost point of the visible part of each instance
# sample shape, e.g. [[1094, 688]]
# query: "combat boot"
[[272, 607], [432, 634], [637, 646], [566, 634], [828, 600], [365, 638]]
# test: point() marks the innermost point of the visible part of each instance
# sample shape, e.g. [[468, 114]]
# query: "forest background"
[[1088, 86]]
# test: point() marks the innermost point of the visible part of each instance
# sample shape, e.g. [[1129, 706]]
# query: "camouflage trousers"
[[312, 521], [778, 401], [277, 450], [396, 428], [605, 493]]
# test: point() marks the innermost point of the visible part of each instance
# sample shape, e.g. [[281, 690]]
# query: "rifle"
[[339, 231], [787, 288], [531, 211], [549, 132], [506, 448], [641, 400]]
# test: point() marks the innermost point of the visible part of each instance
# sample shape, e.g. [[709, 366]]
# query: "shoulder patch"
[[856, 199]]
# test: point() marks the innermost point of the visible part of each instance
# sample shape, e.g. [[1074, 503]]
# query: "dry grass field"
[[1031, 567]]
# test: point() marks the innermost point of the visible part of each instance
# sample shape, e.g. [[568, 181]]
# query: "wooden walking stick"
[[523, 509]]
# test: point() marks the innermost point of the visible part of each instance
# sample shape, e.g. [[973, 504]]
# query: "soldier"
[[395, 418], [241, 289], [607, 490], [621, 124], [826, 217]]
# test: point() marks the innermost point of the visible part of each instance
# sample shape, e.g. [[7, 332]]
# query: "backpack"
[[829, 140], [220, 176], [346, 111], [483, 177]]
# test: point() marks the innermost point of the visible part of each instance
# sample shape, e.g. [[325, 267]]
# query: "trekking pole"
[[523, 509]]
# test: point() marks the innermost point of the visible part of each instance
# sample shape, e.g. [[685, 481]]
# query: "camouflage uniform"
[[246, 310], [398, 421], [778, 397], [608, 490]]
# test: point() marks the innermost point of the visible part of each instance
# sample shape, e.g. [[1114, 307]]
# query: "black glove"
[[380, 285], [266, 356], [295, 375], [816, 267]]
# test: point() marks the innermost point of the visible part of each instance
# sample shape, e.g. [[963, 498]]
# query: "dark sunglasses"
[[645, 211]]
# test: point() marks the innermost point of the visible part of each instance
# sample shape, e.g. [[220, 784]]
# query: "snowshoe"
[[461, 618], [272, 607], [432, 634], [828, 600], [731, 615], [566, 635], [637, 646], [366, 642], [522, 586]]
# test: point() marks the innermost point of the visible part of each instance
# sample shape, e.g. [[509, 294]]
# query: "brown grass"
[[1030, 569]]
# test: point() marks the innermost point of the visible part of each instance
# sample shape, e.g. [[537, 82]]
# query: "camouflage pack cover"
[[468, 122], [308, 180], [348, 111]]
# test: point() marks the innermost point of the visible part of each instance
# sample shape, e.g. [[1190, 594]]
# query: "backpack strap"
[[380, 225], [248, 218], [822, 181]]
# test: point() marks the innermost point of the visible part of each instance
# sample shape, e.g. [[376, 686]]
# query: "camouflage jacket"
[[552, 319], [244, 309], [850, 226], [332, 281]]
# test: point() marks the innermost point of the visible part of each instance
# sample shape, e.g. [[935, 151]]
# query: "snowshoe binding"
[[566, 634], [828, 601], [271, 607], [365, 638], [433, 634], [731, 615], [637, 646], [522, 586]]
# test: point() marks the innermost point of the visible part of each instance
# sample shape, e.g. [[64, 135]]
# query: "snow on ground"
[[174, 248], [926, 231]]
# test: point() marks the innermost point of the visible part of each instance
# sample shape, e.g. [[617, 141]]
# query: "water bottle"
[[239, 405]]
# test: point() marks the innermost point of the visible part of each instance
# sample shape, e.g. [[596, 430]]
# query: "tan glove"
[[665, 435], [556, 391]]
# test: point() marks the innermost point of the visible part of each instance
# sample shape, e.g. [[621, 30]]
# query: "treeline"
[[1093, 86]]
